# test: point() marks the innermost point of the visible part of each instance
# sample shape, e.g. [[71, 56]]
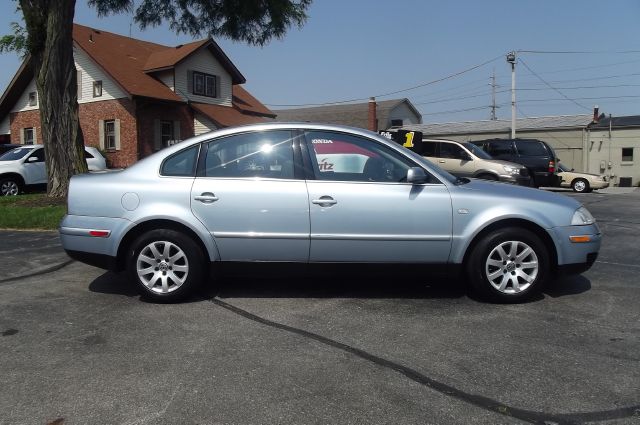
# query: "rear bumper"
[[102, 261]]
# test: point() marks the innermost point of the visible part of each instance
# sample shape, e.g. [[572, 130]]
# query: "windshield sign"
[[14, 154]]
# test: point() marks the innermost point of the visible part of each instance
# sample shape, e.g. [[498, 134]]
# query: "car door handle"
[[324, 201], [206, 198], [442, 161]]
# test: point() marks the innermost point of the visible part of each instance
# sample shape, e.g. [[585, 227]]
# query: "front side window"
[[110, 134], [344, 157], [38, 154], [204, 84], [627, 154], [28, 136], [451, 150], [267, 154]]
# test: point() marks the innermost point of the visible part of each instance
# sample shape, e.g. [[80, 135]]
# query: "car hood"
[[495, 199], [508, 163], [9, 163]]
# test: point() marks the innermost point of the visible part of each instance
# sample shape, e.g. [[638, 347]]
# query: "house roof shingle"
[[497, 126], [352, 114], [224, 116], [130, 61]]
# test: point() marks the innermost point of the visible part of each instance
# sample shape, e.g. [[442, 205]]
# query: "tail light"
[[552, 166]]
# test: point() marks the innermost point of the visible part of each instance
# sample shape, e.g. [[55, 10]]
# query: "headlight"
[[582, 217], [511, 170]]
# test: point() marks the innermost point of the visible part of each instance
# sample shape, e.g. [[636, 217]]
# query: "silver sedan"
[[318, 194]]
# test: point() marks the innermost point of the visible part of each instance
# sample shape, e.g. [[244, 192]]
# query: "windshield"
[[14, 154], [477, 151]]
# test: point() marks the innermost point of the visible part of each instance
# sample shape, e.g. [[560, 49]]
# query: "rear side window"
[[499, 147], [265, 154], [430, 149], [531, 148], [181, 164]]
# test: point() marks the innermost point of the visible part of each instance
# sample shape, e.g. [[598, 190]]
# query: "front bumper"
[[577, 257], [517, 179]]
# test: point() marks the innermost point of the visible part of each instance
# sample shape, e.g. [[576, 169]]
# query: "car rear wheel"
[[508, 265], [580, 186], [9, 186], [166, 265]]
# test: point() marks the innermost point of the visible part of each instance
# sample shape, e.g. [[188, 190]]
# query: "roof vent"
[[91, 38]]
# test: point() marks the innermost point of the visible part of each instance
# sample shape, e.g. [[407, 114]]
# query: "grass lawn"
[[35, 211]]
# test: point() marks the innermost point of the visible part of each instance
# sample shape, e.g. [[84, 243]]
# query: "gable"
[[204, 62], [88, 72]]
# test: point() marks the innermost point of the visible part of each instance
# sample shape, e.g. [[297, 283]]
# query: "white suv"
[[24, 166]]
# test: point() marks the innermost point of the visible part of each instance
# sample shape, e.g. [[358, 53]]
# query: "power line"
[[448, 77], [456, 111], [558, 91], [579, 52]]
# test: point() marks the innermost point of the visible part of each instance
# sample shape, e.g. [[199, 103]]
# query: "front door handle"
[[442, 161], [206, 198], [324, 201]]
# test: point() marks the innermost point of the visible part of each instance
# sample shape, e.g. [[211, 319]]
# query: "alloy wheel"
[[9, 188], [162, 267], [512, 267]]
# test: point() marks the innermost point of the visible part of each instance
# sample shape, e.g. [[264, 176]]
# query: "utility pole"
[[493, 96], [511, 58]]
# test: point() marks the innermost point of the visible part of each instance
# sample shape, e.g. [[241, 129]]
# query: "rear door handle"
[[206, 198], [324, 201]]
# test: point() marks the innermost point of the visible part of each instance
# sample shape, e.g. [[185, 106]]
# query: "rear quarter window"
[[181, 164]]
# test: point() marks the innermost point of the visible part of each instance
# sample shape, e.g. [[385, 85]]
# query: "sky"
[[571, 55]]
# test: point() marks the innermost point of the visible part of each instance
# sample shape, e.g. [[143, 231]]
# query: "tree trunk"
[[50, 43]]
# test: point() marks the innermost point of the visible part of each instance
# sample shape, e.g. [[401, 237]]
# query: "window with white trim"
[[166, 133], [28, 136], [204, 84], [97, 88], [110, 134], [627, 154]]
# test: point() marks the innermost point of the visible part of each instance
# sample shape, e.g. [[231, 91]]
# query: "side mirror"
[[416, 175], [32, 159], [466, 157]]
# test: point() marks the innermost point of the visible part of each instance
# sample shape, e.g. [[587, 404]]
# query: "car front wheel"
[[166, 265], [508, 265], [9, 186], [580, 186]]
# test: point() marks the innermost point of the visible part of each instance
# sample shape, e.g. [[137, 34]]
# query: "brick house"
[[136, 97]]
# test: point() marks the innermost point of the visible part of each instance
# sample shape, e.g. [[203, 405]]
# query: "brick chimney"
[[595, 114], [373, 117]]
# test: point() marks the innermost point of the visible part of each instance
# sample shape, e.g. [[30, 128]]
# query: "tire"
[[166, 265], [580, 186], [10, 186], [498, 274]]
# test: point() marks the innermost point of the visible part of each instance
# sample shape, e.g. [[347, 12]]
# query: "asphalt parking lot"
[[79, 346]]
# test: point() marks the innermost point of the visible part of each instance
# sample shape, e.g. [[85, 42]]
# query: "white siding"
[[23, 103], [404, 113], [5, 128], [91, 72], [203, 61], [166, 77], [202, 124]]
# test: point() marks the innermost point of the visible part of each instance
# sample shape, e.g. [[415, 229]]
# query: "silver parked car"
[[307, 193]]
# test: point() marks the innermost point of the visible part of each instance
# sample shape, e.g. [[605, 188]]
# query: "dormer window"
[[97, 88], [33, 99], [204, 84]]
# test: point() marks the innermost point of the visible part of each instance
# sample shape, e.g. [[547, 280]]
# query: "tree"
[[47, 41]]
